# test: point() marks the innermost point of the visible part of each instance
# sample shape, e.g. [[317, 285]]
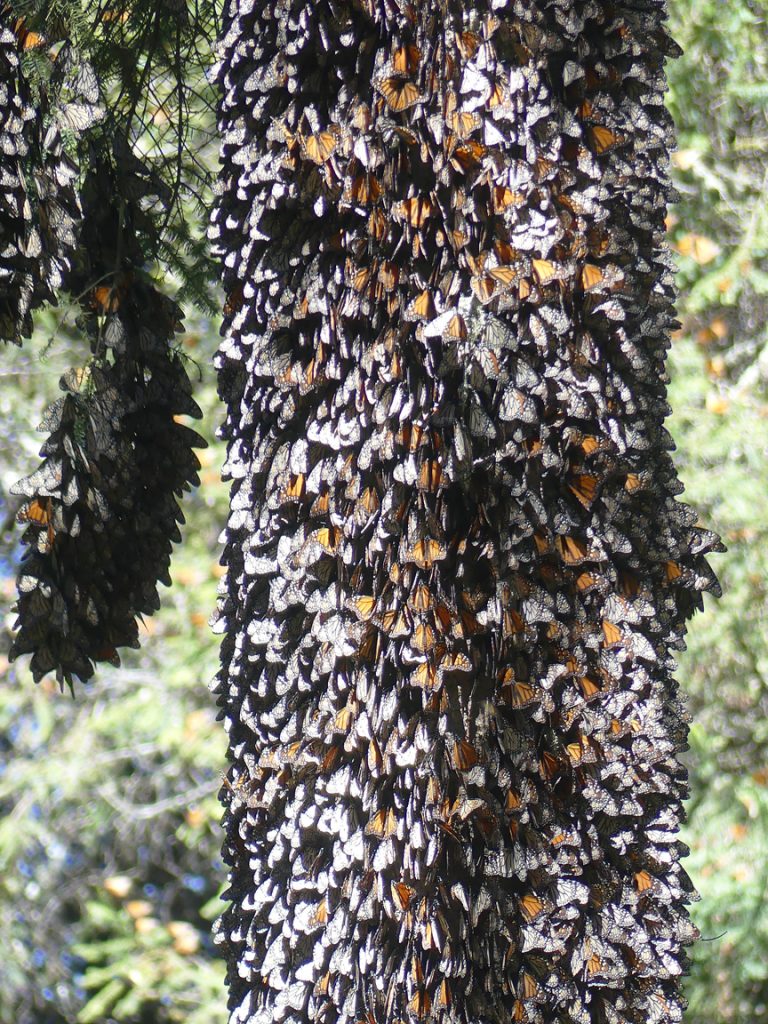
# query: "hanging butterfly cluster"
[[456, 568], [38, 201], [102, 510], [16, 263]]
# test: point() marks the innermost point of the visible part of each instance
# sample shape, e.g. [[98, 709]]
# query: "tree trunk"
[[456, 568]]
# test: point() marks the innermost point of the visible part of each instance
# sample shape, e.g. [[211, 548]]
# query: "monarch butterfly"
[[611, 633], [505, 275], [549, 765], [392, 622], [79, 117], [463, 122], [388, 276], [603, 139], [531, 906], [420, 1003], [444, 997], [425, 677], [483, 288], [330, 760], [426, 552], [421, 599], [543, 167], [423, 637], [512, 623], [323, 985], [402, 894], [399, 93], [499, 98], [450, 325], [235, 300], [591, 276], [343, 719], [643, 881], [27, 39], [629, 585], [36, 511], [319, 915], [412, 436], [328, 538], [465, 155], [529, 986], [430, 475], [580, 751], [522, 695], [588, 687], [294, 491], [465, 756], [422, 307], [382, 825], [516, 405], [459, 239], [571, 549], [479, 422], [318, 148], [377, 223], [583, 204], [594, 964], [455, 661], [545, 271], [584, 487], [512, 801], [109, 654], [108, 298], [504, 197], [320, 505], [375, 758], [405, 60], [363, 189], [467, 43], [416, 210], [361, 278], [363, 606]]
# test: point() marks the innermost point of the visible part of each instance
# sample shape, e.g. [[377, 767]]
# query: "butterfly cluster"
[[456, 567], [39, 206], [102, 511]]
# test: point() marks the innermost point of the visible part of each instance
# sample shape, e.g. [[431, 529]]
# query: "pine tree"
[[457, 570]]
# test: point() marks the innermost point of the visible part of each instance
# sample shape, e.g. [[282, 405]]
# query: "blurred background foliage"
[[109, 841]]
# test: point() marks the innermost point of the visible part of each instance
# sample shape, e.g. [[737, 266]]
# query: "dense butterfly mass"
[[39, 206], [101, 512], [457, 570]]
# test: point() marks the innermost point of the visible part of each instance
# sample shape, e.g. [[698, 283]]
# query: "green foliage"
[[723, 436], [109, 835], [720, 227], [719, 370]]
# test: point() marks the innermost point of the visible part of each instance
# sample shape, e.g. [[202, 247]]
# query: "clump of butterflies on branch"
[[457, 567], [87, 203]]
